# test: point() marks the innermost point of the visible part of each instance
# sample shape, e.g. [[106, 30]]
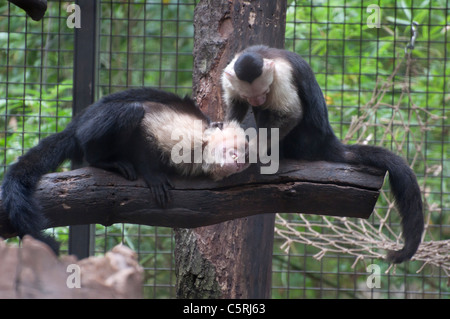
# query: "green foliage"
[[31, 118], [146, 44], [350, 60], [35, 79]]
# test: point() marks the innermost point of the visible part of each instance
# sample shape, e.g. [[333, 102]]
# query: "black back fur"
[[107, 135], [312, 138]]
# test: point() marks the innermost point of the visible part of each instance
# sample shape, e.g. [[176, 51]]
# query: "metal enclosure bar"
[[84, 85]]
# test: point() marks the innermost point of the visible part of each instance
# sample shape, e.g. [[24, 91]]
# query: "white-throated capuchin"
[[284, 93], [138, 132]]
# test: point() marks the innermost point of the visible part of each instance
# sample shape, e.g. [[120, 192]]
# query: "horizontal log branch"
[[93, 196], [34, 8]]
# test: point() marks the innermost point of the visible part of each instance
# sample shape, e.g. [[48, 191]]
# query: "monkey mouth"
[[241, 165], [236, 163], [257, 100]]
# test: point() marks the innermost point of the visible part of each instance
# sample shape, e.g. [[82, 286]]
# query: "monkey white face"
[[226, 151], [255, 93]]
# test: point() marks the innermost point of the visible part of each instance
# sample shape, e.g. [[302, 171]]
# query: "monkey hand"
[[160, 186]]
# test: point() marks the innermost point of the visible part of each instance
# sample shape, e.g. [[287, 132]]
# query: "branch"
[[93, 196], [34, 8]]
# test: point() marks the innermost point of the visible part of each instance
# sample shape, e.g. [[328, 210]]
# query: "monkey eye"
[[218, 125], [233, 154], [230, 153]]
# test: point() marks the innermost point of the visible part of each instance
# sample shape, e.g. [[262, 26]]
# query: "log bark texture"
[[234, 259], [94, 196]]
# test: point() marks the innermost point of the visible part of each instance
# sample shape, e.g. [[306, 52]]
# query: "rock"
[[34, 271]]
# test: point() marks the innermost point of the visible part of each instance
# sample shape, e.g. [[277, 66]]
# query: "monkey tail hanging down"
[[21, 180], [283, 92]]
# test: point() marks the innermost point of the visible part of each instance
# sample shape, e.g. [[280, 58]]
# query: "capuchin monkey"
[[283, 92], [139, 132]]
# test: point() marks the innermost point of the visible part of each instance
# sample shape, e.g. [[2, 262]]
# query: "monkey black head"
[[250, 76], [249, 66]]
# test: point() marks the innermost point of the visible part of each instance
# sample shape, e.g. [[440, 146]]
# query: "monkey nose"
[[257, 100]]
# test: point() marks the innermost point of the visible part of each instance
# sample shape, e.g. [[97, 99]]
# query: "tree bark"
[[233, 259], [94, 196]]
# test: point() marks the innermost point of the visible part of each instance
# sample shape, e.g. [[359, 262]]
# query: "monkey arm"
[[236, 110]]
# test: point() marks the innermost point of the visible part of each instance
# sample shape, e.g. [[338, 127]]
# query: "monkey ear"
[[269, 64], [230, 74]]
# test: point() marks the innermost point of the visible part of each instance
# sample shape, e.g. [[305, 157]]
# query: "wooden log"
[[94, 196], [34, 8]]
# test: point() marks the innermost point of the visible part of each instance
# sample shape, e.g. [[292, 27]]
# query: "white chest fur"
[[283, 96]]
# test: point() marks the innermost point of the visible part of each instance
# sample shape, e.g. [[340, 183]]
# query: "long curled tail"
[[22, 178], [406, 192]]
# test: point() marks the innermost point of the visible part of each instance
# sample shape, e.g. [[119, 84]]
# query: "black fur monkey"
[[283, 92], [134, 133]]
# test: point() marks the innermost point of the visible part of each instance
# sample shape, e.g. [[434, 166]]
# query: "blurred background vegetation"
[[149, 43]]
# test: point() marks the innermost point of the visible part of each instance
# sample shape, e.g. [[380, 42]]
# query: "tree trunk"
[[232, 259]]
